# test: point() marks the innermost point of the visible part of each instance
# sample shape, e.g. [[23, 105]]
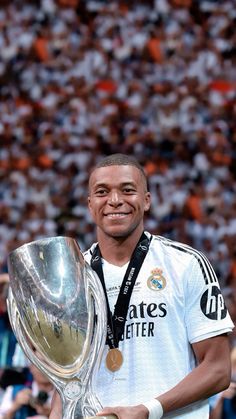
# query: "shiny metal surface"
[[53, 300]]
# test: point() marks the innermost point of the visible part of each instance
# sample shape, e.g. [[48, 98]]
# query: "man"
[[167, 349], [29, 400]]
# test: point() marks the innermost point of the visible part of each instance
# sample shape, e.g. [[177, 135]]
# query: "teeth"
[[116, 215]]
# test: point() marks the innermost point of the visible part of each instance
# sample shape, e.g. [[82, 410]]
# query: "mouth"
[[116, 215]]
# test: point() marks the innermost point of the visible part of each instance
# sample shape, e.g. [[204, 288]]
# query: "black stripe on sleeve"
[[205, 266]]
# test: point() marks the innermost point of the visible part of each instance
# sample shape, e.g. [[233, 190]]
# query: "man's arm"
[[211, 376]]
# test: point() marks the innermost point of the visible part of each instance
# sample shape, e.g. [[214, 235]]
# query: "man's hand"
[[121, 412], [230, 392], [43, 410], [128, 412], [22, 398]]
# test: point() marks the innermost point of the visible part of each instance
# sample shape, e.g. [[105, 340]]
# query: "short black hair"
[[120, 159]]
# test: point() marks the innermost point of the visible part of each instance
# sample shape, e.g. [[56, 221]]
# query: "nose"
[[114, 198]]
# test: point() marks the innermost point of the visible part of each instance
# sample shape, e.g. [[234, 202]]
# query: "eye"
[[101, 192], [129, 190]]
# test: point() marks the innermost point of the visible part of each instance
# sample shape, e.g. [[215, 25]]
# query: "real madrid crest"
[[156, 281]]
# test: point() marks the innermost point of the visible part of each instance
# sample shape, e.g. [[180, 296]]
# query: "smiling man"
[[118, 199], [167, 348]]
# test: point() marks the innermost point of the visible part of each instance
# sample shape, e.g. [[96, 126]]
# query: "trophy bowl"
[[57, 311]]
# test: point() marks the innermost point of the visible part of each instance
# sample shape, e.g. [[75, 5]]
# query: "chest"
[[159, 288]]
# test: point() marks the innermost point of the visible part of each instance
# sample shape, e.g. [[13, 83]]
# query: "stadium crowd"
[[82, 79], [156, 79]]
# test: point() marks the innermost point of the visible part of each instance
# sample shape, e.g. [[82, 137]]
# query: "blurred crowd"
[[80, 79]]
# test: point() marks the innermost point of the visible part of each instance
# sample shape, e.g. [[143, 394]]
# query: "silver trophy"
[[57, 310]]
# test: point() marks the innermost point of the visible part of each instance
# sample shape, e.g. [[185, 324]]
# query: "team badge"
[[156, 281]]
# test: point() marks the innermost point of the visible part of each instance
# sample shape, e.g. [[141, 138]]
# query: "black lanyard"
[[116, 322]]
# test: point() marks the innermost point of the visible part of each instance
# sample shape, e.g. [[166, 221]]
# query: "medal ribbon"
[[116, 322]]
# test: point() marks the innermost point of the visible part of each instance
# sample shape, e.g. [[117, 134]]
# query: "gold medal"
[[114, 359]]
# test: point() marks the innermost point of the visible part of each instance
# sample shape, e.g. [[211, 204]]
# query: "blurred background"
[[156, 79]]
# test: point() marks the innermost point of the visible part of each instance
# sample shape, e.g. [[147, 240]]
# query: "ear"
[[147, 202], [90, 208], [89, 203]]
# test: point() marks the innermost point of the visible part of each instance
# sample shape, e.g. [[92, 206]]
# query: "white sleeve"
[[206, 314], [6, 402]]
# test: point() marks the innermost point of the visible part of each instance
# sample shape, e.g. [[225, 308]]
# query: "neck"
[[118, 250]]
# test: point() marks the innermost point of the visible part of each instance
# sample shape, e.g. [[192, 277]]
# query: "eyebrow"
[[106, 185]]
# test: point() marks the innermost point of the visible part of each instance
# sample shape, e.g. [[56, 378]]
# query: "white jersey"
[[176, 301]]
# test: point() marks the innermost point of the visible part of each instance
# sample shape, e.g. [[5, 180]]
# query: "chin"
[[117, 233], [121, 234]]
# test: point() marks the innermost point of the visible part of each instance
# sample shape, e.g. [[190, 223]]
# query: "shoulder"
[[173, 246], [180, 252]]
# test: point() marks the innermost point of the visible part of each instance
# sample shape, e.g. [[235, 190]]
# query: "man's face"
[[118, 199]]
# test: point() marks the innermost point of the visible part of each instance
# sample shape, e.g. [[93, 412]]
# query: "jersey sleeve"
[[206, 314]]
